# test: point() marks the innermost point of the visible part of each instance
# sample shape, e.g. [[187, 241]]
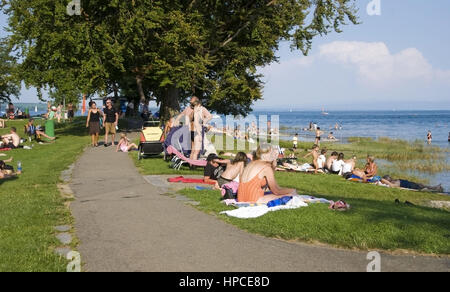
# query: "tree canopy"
[[9, 86], [165, 50]]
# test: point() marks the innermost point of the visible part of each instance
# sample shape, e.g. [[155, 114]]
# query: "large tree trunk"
[[170, 104], [116, 91], [139, 79]]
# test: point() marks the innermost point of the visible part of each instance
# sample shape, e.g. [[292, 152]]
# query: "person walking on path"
[[93, 123], [111, 118]]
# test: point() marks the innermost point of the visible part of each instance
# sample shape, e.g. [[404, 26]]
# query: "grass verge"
[[30, 205]]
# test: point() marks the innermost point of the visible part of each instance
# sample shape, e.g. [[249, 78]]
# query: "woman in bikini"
[[259, 174], [234, 169], [369, 171]]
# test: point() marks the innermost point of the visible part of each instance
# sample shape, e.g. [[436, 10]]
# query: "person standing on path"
[[93, 123], [111, 119], [197, 118]]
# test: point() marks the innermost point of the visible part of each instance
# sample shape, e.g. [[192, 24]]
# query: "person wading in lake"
[[318, 134], [111, 118], [429, 137]]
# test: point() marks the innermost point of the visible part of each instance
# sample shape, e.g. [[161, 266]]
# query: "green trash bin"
[[50, 128]]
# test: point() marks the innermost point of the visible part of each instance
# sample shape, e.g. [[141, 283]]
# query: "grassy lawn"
[[30, 205], [374, 222]]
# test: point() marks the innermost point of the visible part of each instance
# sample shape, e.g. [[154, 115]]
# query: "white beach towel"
[[258, 211]]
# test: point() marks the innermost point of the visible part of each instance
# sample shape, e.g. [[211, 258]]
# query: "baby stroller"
[[150, 144]]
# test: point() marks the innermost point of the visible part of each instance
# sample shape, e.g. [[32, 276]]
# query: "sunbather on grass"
[[214, 169], [11, 140], [234, 169], [348, 167], [315, 154], [258, 175], [6, 170], [338, 164], [370, 170], [331, 159], [400, 183]]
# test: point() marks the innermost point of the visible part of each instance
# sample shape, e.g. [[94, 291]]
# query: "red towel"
[[181, 179], [5, 149]]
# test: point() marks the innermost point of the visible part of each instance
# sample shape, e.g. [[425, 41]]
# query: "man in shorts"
[[11, 141], [111, 118]]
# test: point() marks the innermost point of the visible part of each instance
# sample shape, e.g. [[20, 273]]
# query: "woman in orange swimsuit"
[[259, 174]]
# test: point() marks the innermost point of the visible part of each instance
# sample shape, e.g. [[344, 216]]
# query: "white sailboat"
[[35, 109], [324, 113]]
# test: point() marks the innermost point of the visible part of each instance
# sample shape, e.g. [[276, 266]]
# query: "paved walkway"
[[124, 223]]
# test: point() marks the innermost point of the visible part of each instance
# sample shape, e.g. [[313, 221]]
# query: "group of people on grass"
[[13, 140], [336, 164], [251, 175]]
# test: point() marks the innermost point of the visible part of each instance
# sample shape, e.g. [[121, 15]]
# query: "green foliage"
[[9, 87], [168, 49]]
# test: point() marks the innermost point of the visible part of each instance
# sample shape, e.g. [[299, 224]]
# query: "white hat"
[[53, 108]]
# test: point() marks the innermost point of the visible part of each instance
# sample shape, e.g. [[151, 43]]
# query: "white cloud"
[[377, 65]]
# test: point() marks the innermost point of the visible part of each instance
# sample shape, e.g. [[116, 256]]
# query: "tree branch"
[[238, 32]]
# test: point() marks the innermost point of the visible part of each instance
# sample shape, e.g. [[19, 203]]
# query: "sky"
[[395, 60]]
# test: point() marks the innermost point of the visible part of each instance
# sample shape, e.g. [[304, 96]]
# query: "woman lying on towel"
[[370, 170], [259, 174]]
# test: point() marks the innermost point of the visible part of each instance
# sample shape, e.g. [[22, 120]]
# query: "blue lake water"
[[407, 125]]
